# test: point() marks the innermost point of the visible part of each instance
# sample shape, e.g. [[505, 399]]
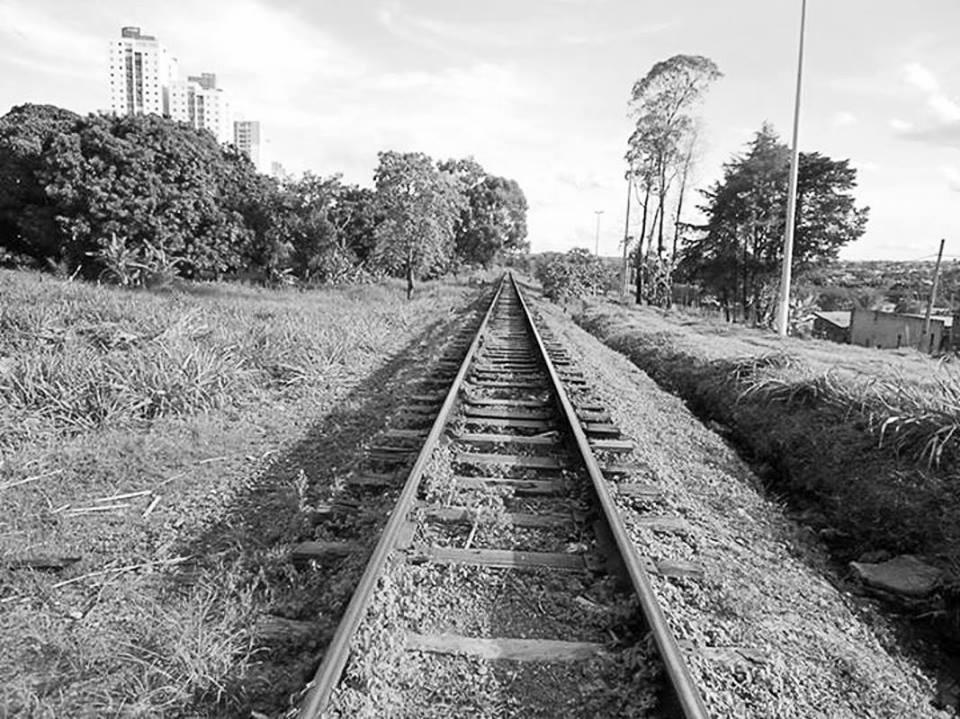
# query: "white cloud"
[[945, 109], [31, 38], [920, 77], [940, 123], [952, 174], [844, 119]]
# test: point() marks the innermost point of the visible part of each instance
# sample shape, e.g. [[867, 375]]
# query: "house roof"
[[946, 319], [840, 318]]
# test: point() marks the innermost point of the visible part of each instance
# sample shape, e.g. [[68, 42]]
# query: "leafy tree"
[[419, 206], [149, 180], [493, 218], [738, 255], [27, 215], [662, 141]]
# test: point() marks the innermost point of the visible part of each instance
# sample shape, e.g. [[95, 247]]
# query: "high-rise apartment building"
[[246, 136], [199, 102], [144, 79], [141, 70]]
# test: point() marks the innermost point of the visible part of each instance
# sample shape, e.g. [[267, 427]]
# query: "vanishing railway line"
[[507, 525]]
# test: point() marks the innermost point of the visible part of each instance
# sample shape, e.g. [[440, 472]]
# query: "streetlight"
[[596, 246], [784, 309]]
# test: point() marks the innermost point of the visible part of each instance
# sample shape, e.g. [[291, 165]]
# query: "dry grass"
[[236, 409], [875, 435]]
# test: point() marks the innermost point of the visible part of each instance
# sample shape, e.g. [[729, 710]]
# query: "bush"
[[573, 275]]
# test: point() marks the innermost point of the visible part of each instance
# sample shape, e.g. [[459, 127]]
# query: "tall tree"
[[493, 217], [661, 103], [739, 251], [419, 205], [150, 181], [28, 224]]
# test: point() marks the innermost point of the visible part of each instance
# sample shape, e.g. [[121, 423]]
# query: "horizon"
[[518, 88]]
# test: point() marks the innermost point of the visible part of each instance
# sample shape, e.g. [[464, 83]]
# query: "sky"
[[536, 90]]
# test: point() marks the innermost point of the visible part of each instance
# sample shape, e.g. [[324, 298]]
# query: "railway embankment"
[[861, 444]]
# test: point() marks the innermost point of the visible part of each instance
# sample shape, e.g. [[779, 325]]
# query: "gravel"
[[768, 634]]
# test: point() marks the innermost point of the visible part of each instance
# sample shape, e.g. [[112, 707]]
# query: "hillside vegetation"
[[869, 441]]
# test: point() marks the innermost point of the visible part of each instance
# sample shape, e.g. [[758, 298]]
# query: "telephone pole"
[[596, 246], [624, 272], [933, 298], [783, 312]]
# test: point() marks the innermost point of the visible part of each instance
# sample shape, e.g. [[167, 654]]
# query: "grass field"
[[173, 444], [866, 441]]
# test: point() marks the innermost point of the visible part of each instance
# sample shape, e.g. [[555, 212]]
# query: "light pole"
[[596, 246], [783, 312]]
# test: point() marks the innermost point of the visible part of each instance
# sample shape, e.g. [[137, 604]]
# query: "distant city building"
[[141, 70], [200, 103], [279, 171], [246, 136]]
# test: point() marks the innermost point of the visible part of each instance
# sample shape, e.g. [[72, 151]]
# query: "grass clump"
[[75, 358]]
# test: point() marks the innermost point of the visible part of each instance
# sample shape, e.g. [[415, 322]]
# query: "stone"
[[904, 575]]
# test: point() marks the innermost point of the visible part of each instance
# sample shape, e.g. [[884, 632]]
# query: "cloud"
[[939, 123], [920, 77], [582, 182], [546, 27], [844, 119], [33, 39], [952, 175]]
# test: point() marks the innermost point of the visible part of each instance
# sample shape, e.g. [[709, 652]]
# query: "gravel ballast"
[[769, 635]]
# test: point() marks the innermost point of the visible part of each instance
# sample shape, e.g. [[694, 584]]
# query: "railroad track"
[[505, 577]]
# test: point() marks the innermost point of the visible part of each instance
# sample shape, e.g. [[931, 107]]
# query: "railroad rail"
[[514, 428]]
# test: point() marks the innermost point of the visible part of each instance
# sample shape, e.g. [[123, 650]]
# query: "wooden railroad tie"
[[518, 439], [502, 558], [598, 429], [465, 515], [511, 460], [618, 446], [508, 384], [637, 490], [540, 424], [521, 487], [518, 650], [505, 413], [494, 402]]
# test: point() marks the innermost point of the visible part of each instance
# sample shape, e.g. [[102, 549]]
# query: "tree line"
[[736, 252], [129, 198]]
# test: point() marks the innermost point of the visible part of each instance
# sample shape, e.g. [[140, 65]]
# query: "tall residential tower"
[[246, 136], [141, 71], [144, 79]]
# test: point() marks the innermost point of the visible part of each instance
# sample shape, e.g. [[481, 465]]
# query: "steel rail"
[[688, 696], [335, 658]]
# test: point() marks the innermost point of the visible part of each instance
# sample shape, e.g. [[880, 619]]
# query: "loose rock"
[[905, 575]]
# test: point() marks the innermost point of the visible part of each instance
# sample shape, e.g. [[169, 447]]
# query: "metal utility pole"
[[624, 272], [783, 312], [596, 246], [933, 297]]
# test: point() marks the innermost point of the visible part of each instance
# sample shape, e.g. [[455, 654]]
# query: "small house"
[[833, 326]]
